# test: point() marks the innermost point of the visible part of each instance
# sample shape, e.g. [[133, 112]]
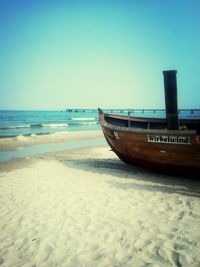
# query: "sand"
[[86, 208]]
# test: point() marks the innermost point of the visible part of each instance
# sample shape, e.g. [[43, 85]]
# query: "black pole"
[[170, 86]]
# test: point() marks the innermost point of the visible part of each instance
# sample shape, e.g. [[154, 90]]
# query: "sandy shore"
[[85, 208]]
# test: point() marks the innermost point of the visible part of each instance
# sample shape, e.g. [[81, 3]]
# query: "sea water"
[[23, 123], [26, 123]]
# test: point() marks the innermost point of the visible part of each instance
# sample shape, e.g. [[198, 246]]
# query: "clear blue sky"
[[58, 54]]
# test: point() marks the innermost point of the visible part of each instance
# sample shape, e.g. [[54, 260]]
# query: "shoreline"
[[19, 147], [11, 143]]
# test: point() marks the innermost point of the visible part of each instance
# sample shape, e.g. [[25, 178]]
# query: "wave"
[[84, 123], [35, 125], [88, 123], [32, 136], [21, 138], [49, 125], [14, 127], [83, 119]]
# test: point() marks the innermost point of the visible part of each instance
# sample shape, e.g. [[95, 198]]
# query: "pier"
[[133, 110]]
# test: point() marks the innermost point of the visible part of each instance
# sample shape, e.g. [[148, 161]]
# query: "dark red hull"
[[146, 142]]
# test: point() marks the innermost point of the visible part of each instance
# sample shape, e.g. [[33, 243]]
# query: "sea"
[[25, 123], [29, 123]]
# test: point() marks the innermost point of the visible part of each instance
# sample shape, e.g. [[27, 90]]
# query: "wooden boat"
[[169, 144]]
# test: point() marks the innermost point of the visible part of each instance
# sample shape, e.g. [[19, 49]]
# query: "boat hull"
[[177, 151]]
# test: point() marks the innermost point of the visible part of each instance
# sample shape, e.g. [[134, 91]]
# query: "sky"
[[88, 54]]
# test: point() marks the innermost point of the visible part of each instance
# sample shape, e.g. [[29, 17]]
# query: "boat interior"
[[150, 123]]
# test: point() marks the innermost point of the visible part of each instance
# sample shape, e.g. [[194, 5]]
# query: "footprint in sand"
[[141, 244], [178, 202], [178, 246], [1, 260], [181, 215], [44, 252], [175, 259], [194, 215]]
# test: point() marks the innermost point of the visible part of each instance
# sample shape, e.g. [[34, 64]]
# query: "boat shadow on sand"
[[140, 178]]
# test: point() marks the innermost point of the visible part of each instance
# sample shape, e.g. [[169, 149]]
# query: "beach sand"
[[86, 208]]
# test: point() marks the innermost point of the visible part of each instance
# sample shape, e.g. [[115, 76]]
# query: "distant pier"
[[114, 110]]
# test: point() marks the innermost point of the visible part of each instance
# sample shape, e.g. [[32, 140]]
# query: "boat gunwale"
[[145, 131], [146, 119], [131, 118]]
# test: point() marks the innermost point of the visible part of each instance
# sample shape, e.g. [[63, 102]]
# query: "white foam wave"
[[83, 119], [34, 126], [60, 133], [33, 135], [20, 126], [21, 138], [55, 125], [87, 123]]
